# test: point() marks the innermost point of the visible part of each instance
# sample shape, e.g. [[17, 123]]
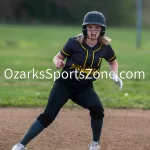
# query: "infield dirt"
[[122, 130]]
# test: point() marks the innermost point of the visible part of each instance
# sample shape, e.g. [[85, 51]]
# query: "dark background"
[[117, 12]]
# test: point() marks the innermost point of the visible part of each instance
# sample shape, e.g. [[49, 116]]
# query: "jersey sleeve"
[[110, 54], [67, 48]]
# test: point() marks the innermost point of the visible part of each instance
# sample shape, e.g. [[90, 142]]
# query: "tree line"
[[117, 12]]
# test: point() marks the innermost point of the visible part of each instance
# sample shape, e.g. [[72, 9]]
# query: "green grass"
[[25, 47]]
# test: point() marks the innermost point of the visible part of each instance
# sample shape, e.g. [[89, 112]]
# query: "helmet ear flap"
[[102, 31], [84, 30]]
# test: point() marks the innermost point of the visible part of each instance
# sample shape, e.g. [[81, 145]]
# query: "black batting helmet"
[[94, 17]]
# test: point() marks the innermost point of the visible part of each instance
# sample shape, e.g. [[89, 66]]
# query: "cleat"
[[94, 146], [19, 146]]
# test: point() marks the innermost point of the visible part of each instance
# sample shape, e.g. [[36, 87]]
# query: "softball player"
[[83, 54]]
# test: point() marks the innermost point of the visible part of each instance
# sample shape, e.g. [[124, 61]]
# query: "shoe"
[[19, 146], [94, 146]]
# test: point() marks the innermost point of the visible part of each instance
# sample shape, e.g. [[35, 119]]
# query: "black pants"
[[83, 95]]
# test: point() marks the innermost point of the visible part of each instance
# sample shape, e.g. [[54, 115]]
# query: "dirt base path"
[[122, 130]]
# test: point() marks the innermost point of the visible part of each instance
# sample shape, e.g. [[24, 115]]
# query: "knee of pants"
[[97, 113], [46, 119]]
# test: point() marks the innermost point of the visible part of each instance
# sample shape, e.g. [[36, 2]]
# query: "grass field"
[[25, 47]]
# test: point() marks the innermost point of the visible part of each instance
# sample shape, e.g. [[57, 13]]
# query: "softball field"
[[123, 129], [25, 47]]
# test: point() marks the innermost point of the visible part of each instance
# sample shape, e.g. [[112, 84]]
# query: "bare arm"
[[58, 60], [114, 66], [58, 56]]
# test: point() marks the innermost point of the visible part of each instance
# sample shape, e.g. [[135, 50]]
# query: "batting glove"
[[118, 81]]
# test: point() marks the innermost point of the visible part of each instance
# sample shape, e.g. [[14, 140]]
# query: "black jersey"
[[85, 59]]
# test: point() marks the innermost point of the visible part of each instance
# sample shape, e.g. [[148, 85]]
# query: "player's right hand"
[[59, 63]]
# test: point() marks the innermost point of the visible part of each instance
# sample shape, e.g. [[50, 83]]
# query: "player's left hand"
[[118, 81]]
